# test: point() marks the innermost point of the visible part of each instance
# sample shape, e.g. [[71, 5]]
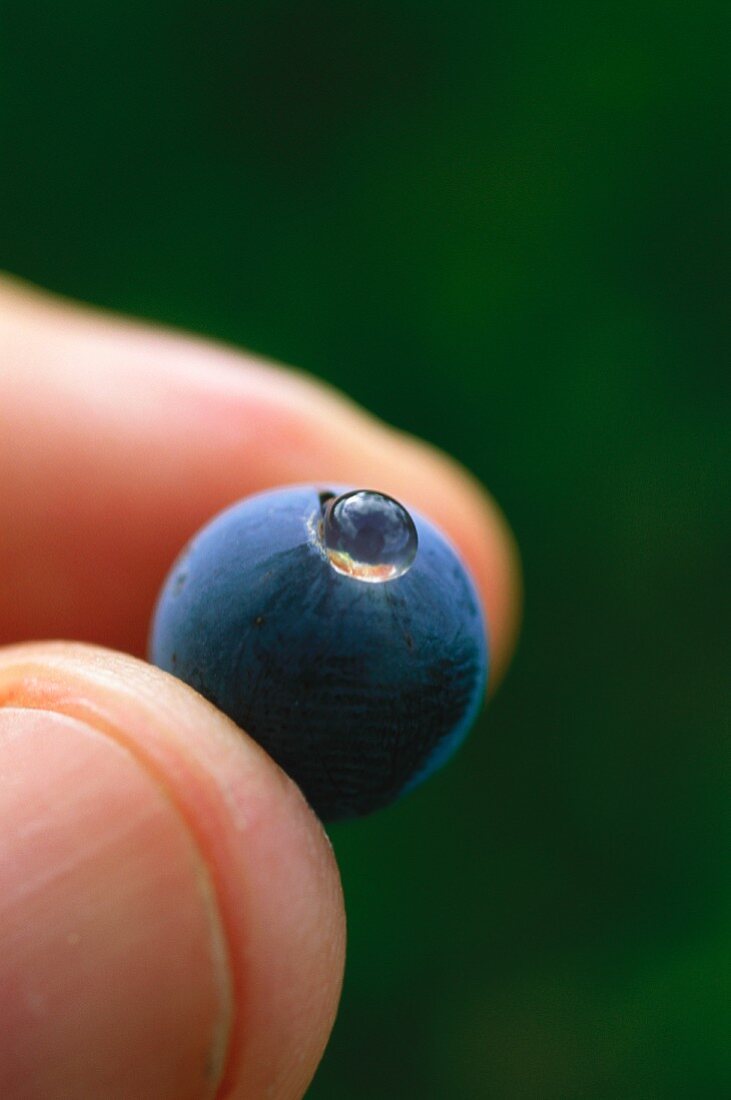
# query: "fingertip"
[[157, 431], [269, 985]]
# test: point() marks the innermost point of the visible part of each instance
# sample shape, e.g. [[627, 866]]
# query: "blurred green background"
[[498, 226]]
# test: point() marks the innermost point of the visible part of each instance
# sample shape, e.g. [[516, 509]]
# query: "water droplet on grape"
[[368, 536]]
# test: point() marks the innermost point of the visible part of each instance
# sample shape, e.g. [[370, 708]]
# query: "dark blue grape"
[[358, 690]]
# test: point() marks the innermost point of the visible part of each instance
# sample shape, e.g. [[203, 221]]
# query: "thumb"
[[170, 912]]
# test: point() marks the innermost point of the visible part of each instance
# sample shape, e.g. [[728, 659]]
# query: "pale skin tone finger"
[[118, 440], [170, 911]]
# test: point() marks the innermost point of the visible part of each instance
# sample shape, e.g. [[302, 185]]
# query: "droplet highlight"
[[368, 536]]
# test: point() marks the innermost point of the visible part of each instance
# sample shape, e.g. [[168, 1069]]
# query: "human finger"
[[118, 440], [170, 912]]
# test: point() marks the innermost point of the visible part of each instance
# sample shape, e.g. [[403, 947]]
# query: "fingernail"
[[114, 977]]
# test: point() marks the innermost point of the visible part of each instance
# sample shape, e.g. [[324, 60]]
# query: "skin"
[[170, 911]]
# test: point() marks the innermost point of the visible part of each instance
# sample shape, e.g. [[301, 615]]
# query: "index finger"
[[118, 440]]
